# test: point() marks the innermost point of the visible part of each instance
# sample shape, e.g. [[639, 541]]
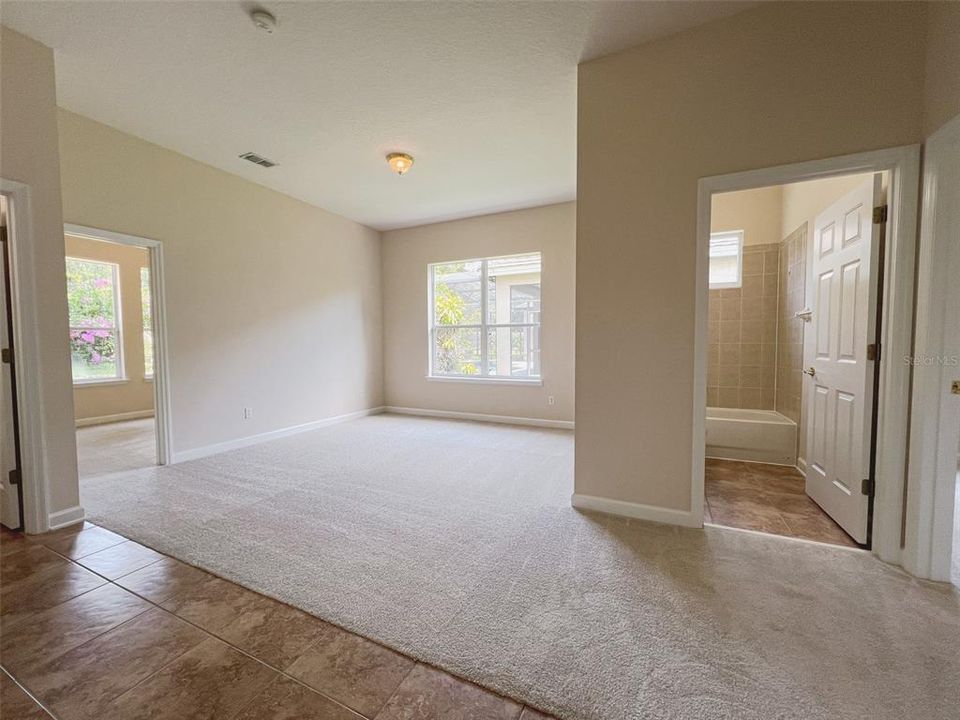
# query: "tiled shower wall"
[[793, 272], [742, 361]]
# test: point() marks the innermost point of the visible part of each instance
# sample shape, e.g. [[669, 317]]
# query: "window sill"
[[485, 380], [105, 381]]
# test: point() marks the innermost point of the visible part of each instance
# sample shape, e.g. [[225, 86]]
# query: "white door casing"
[[9, 494], [845, 252]]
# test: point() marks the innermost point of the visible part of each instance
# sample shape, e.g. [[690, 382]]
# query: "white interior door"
[[846, 246], [9, 493]]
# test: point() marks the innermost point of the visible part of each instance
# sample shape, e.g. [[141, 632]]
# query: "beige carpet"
[[455, 543], [110, 448]]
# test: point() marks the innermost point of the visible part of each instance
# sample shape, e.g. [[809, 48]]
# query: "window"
[[146, 319], [726, 259], [94, 304], [485, 318]]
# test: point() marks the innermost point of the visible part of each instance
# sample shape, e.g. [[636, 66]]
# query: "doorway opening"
[[115, 351], [804, 303], [794, 274]]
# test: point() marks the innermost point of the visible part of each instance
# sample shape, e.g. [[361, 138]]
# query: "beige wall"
[[28, 154], [756, 212], [135, 394], [750, 91], [272, 304], [942, 83], [406, 254]]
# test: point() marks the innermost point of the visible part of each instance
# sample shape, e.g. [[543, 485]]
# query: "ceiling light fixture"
[[400, 162], [264, 21]]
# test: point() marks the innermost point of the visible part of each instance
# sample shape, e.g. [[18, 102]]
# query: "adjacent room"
[[479, 361], [772, 340], [111, 353]]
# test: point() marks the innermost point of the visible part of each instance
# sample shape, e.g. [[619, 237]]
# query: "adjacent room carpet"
[[110, 448], [455, 543]]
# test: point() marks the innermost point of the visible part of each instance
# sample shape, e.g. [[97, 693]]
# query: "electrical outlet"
[[247, 413], [551, 400], [955, 387]]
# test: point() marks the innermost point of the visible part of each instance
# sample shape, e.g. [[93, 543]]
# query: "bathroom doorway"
[[794, 322]]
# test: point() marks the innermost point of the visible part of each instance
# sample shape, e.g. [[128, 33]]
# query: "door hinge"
[[5, 356], [873, 351], [867, 486], [14, 477], [880, 214]]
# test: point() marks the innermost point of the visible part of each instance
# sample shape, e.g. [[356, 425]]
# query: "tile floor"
[[768, 498], [95, 625]]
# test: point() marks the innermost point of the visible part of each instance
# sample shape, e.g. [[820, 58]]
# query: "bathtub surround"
[[790, 329], [763, 436], [741, 364]]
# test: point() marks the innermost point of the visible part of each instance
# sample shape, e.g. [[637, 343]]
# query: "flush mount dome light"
[[263, 20], [400, 162]]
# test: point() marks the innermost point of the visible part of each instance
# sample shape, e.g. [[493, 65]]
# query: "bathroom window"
[[726, 259], [485, 319]]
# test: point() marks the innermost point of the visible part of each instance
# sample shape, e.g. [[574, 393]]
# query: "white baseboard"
[[653, 513], [119, 417], [249, 440], [63, 518], [479, 417], [802, 465]]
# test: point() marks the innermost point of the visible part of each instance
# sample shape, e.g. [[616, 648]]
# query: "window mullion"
[[483, 318]]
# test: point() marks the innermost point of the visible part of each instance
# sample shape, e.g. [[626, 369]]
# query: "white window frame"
[[153, 356], [483, 326], [725, 235], [121, 376]]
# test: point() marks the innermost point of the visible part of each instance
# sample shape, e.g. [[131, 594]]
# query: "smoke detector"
[[264, 21]]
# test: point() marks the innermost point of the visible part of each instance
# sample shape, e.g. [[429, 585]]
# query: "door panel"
[[844, 320]]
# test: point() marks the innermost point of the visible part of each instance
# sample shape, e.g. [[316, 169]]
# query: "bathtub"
[[755, 435]]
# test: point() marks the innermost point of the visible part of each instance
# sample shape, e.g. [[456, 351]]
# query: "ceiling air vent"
[[257, 159]]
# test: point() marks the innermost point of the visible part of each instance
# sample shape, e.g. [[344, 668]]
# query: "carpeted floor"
[[455, 542], [110, 448]]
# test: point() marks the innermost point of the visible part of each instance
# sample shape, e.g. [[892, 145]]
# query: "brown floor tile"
[[818, 527], [531, 714], [352, 670], [15, 704], [60, 629], [80, 683], [429, 694], [210, 681], [289, 700], [42, 590], [766, 498], [88, 541], [273, 632], [747, 516], [28, 560], [119, 560], [11, 542], [163, 579], [212, 603]]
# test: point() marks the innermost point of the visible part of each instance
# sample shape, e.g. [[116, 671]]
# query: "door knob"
[[811, 371]]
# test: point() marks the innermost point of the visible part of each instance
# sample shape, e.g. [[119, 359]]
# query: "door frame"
[[935, 417], [26, 355], [896, 332], [161, 377]]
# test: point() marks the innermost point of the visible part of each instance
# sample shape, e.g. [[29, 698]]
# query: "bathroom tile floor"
[[95, 625], [767, 498]]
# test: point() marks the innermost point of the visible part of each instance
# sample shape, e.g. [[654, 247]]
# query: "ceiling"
[[482, 94]]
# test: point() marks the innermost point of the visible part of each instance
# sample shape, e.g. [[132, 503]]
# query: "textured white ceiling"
[[482, 94]]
